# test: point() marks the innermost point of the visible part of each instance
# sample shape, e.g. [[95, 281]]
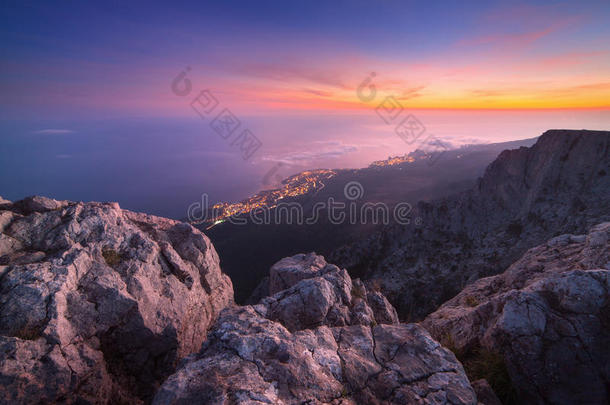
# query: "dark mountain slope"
[[248, 251], [526, 196]]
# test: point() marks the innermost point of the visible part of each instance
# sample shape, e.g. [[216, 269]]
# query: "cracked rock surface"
[[97, 304], [548, 314], [316, 293], [328, 352]]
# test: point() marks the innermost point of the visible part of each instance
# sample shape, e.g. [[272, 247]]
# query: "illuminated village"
[[393, 160], [299, 184], [294, 186]]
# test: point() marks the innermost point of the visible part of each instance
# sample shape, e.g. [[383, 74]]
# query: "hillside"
[[247, 251], [526, 196], [103, 305]]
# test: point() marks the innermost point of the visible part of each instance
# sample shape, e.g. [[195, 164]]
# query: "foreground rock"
[[328, 352], [97, 304], [309, 292], [548, 315]]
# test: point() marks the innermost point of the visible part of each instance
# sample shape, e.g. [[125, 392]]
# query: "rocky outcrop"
[[309, 292], [290, 270], [97, 304], [328, 352], [528, 195], [548, 316]]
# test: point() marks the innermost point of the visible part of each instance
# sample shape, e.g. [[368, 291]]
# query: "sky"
[[63, 58], [91, 78]]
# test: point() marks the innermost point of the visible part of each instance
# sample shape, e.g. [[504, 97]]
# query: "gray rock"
[[318, 293], [249, 359], [290, 270], [382, 309], [97, 304], [548, 314], [317, 341], [309, 303], [33, 204]]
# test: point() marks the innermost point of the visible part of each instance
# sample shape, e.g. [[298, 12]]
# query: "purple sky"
[[87, 88]]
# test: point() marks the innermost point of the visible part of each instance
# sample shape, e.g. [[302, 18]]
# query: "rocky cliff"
[[319, 339], [97, 304], [101, 305], [547, 317], [526, 196]]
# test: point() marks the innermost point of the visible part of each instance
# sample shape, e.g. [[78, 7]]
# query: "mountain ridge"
[[527, 195], [311, 181], [258, 246], [105, 305]]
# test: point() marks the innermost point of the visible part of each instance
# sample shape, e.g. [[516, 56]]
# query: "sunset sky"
[[117, 59], [86, 87]]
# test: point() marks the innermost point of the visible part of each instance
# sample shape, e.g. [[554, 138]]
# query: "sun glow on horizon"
[[477, 56]]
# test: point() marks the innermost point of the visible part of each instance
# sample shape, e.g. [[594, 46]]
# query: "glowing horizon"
[[264, 59]]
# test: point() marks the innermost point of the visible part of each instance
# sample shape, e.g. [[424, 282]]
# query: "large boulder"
[[309, 292], [548, 316], [330, 351], [249, 359], [97, 304], [290, 270]]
